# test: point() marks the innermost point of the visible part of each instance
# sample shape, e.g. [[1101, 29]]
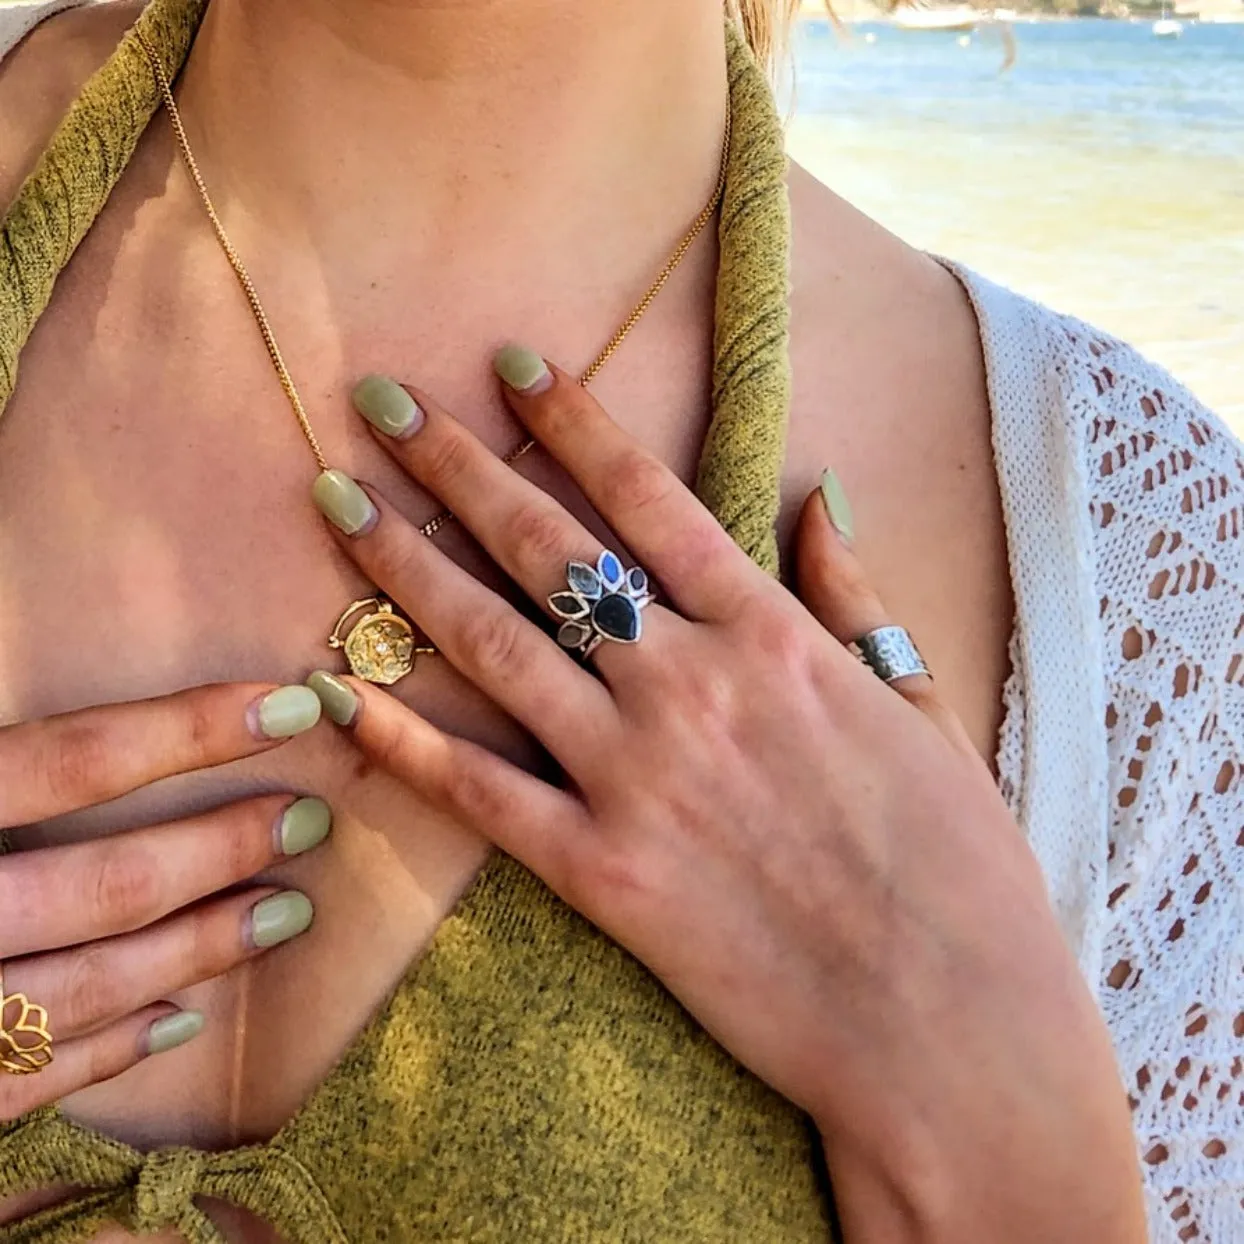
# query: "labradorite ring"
[[601, 603], [890, 653]]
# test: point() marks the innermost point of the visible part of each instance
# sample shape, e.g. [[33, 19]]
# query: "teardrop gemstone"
[[617, 617], [573, 634]]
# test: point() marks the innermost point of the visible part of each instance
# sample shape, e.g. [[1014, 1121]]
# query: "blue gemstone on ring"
[[617, 617], [636, 582], [610, 570]]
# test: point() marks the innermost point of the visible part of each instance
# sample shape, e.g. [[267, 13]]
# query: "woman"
[[816, 863]]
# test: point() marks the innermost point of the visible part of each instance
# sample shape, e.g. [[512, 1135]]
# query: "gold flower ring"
[[25, 1040]]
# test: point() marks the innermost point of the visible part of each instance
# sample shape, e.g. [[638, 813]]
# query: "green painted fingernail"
[[837, 506], [174, 1030], [387, 406], [284, 712], [337, 697], [279, 917], [344, 503], [522, 369], [303, 825]]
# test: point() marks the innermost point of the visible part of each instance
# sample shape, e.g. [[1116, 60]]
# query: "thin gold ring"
[[25, 1039]]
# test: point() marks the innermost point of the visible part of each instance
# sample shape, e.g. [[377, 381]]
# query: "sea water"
[[1102, 173]]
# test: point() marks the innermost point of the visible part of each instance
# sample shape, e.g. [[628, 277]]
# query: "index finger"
[[75, 760], [657, 516]]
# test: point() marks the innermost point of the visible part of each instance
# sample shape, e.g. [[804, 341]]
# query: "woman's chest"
[[156, 531]]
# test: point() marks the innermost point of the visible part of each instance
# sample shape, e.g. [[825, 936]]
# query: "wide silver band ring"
[[890, 653], [601, 603]]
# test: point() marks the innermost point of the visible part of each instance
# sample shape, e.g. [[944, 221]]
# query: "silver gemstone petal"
[[573, 634], [584, 580], [569, 605], [609, 567]]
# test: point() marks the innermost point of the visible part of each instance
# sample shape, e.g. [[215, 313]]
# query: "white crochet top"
[[1122, 752]]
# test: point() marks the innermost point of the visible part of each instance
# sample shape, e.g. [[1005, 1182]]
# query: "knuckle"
[[615, 879], [467, 790], [248, 840], [635, 481], [445, 459], [199, 723], [559, 413], [89, 989], [109, 1054], [394, 560], [388, 745], [125, 890], [708, 696], [78, 764], [539, 536], [781, 636], [494, 641]]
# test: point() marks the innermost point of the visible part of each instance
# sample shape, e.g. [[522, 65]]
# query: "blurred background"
[[1102, 172]]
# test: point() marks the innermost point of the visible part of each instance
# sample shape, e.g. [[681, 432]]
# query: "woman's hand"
[[98, 933], [816, 863]]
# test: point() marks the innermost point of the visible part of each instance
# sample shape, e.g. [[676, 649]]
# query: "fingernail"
[[344, 503], [837, 506], [337, 697], [279, 917], [522, 369], [174, 1030], [303, 825], [284, 712], [387, 406]]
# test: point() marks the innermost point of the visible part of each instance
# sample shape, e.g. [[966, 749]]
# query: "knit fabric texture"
[[528, 1079]]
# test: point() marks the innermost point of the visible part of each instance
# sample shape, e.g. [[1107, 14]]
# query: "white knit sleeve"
[[1166, 498]]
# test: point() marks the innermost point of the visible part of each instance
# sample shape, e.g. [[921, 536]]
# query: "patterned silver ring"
[[599, 603], [890, 653]]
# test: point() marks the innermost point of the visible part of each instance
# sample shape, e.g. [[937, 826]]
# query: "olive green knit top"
[[528, 1080]]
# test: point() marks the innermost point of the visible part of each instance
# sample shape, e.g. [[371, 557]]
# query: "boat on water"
[[1167, 27], [953, 17]]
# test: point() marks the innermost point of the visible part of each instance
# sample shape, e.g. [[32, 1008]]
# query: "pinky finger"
[[837, 592], [543, 827], [82, 1061]]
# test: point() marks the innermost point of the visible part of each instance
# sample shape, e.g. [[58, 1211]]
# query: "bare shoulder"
[[890, 390], [43, 75], [902, 327]]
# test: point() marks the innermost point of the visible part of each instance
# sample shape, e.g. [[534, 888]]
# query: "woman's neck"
[[564, 140]]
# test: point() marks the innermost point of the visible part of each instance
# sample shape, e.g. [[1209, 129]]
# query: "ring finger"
[[93, 985]]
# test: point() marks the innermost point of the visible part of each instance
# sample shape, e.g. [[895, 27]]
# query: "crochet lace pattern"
[[1165, 490]]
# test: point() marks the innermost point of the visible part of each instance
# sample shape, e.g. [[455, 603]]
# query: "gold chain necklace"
[[381, 647]]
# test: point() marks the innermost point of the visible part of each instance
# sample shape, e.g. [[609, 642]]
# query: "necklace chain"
[[433, 525]]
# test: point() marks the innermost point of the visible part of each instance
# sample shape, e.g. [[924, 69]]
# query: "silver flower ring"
[[599, 603]]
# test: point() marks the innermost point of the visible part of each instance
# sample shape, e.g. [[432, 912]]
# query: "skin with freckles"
[[424, 186]]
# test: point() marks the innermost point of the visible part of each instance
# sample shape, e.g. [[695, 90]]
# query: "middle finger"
[[525, 531]]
